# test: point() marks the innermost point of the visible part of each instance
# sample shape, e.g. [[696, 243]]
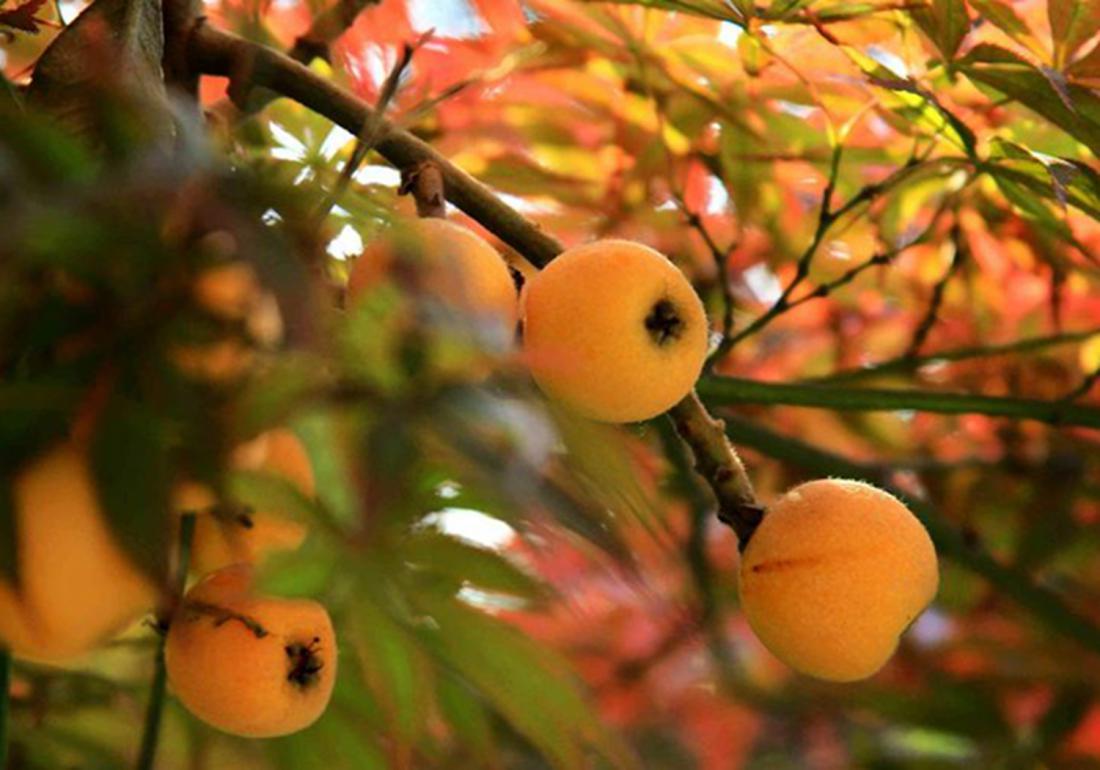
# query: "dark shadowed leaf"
[[132, 471], [9, 565]]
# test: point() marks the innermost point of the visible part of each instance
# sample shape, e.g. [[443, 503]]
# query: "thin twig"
[[1083, 389], [155, 709], [826, 219], [931, 315], [903, 364], [720, 257], [372, 127]]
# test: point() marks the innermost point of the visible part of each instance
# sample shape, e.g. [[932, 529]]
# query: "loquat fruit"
[[76, 585], [225, 535], [614, 331], [834, 574], [249, 665], [444, 260]]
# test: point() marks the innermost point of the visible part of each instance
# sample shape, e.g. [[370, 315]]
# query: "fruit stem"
[[155, 709], [717, 461], [5, 690]]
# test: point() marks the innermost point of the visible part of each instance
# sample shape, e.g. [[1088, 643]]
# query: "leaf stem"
[[155, 709]]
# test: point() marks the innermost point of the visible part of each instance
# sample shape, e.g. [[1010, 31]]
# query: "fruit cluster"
[[52, 614], [612, 330]]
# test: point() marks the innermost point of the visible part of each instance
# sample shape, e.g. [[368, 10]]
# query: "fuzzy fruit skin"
[[237, 681], [282, 454], [77, 586], [585, 335], [833, 575], [457, 265]]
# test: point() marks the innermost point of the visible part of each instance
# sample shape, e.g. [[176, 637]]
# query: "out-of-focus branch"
[[904, 363], [827, 217], [219, 53], [315, 43], [726, 391], [327, 27]]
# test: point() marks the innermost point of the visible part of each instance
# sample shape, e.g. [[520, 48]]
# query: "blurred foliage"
[[901, 195]]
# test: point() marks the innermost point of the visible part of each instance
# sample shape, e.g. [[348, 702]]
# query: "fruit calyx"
[[305, 663], [664, 322]]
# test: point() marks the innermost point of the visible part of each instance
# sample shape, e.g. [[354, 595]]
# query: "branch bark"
[[215, 52]]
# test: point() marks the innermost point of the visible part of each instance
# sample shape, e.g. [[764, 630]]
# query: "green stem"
[[725, 391], [155, 709], [5, 698], [1045, 605]]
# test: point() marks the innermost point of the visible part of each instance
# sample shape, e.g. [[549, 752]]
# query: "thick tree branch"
[[717, 462], [214, 52], [219, 53]]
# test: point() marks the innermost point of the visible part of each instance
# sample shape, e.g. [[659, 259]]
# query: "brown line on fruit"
[[777, 565], [222, 616]]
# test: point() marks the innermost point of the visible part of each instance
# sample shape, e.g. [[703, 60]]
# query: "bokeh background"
[[870, 196]]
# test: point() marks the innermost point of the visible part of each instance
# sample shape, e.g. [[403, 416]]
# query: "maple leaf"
[[22, 17]]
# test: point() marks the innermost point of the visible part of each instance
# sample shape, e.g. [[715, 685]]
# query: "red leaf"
[[23, 16]]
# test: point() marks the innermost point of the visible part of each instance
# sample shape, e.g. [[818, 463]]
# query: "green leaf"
[[440, 555], [529, 685], [1073, 108], [1072, 24], [133, 476], [83, 68], [914, 105], [468, 718], [394, 667], [946, 22]]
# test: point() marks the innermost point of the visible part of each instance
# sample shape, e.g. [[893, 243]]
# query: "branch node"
[[424, 182]]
